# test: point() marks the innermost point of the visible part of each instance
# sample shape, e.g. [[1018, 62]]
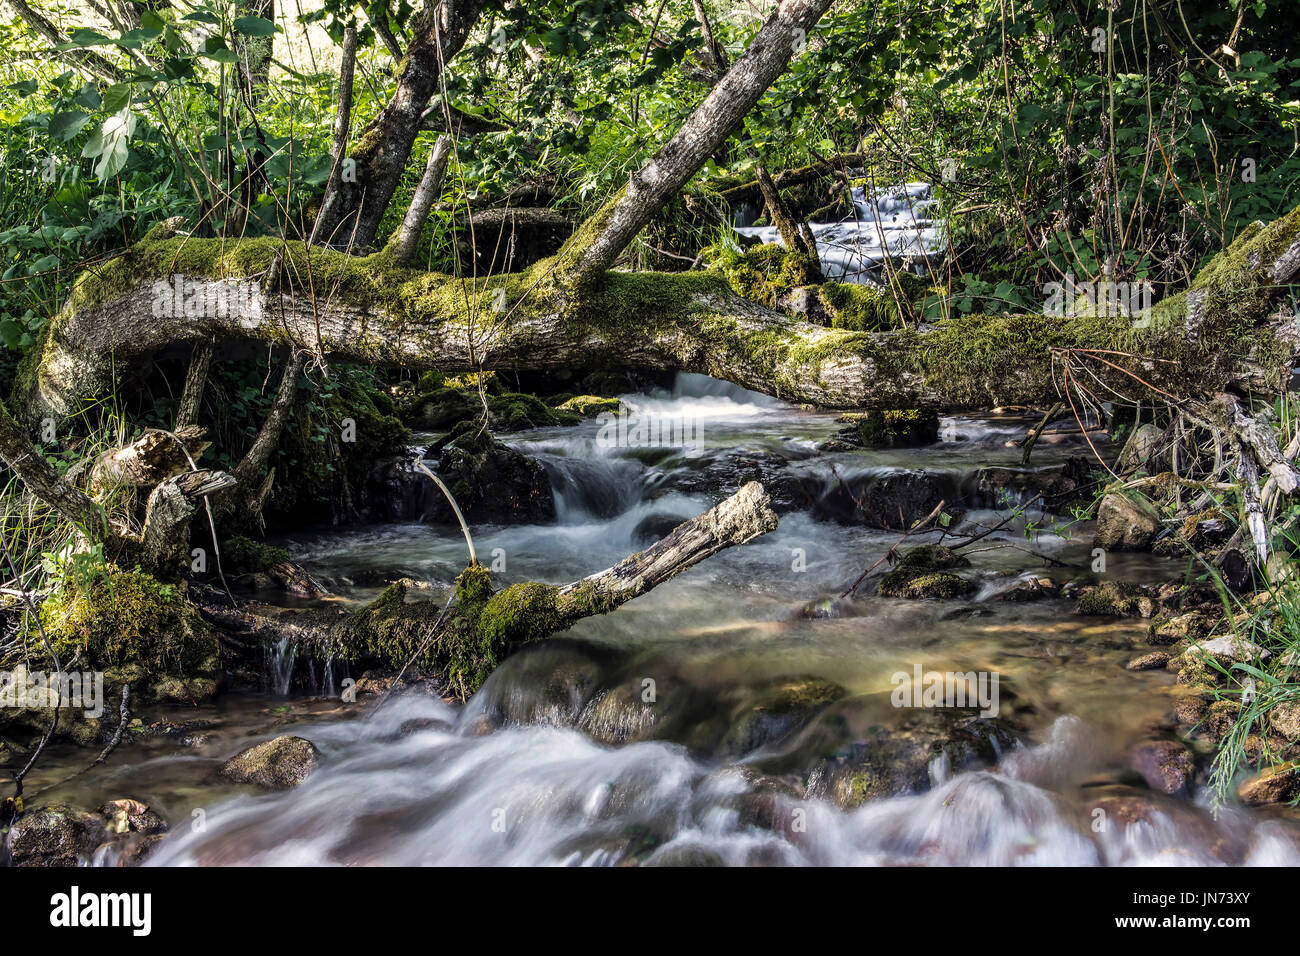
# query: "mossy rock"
[[479, 630], [441, 407], [892, 428], [925, 572], [516, 411], [279, 764], [491, 482], [313, 463], [1116, 599], [765, 273], [864, 308], [778, 708], [589, 406], [128, 618], [241, 555]]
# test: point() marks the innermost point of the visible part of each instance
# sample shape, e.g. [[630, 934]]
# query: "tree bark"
[[1222, 333], [339, 139], [196, 382], [385, 146], [430, 188], [152, 458], [737, 520]]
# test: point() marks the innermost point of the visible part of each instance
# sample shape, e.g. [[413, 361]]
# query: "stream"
[[739, 714]]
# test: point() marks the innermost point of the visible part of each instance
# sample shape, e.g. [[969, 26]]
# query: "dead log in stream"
[[463, 642]]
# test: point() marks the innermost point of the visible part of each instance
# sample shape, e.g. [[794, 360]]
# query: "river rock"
[[1191, 625], [54, 836], [279, 764], [441, 408], [789, 490], [1156, 660], [925, 572], [1030, 589], [897, 501], [905, 428], [1166, 765], [1125, 524], [899, 760], [1116, 599], [131, 816], [777, 709], [622, 713], [1190, 709], [492, 483], [1228, 650], [1284, 718], [1057, 489], [1276, 784], [1142, 450]]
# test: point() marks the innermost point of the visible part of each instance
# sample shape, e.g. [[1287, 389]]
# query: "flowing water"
[[893, 223], [728, 715]]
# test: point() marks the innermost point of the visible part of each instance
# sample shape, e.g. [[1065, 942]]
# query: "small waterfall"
[[280, 667], [892, 223]]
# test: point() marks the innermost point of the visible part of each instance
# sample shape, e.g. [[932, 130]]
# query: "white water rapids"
[[556, 761], [893, 223]]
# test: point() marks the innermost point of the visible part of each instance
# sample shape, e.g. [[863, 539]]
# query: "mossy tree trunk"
[[598, 244], [351, 216], [1228, 331]]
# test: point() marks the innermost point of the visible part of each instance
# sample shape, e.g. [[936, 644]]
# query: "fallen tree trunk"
[[1226, 331], [464, 641]]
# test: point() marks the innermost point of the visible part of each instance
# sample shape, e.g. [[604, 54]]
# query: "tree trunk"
[[595, 247], [1222, 333], [339, 139], [430, 188], [352, 217]]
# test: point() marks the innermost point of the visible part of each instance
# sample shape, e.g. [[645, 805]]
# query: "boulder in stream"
[[279, 764], [1125, 524], [120, 833], [926, 572], [1277, 784], [492, 483], [909, 757], [1166, 765], [895, 428]]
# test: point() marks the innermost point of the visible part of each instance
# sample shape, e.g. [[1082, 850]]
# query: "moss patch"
[[130, 619], [925, 572]]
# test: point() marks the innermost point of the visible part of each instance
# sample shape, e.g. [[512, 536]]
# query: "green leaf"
[[11, 333], [117, 98], [83, 37], [88, 98], [255, 26], [67, 124]]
